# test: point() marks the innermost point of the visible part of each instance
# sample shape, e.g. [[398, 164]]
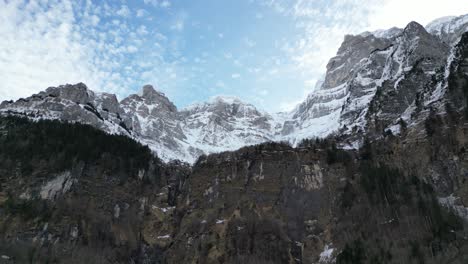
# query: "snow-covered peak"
[[436, 24], [230, 104], [78, 93], [226, 99], [449, 29], [383, 33], [215, 100], [148, 98], [149, 91], [447, 24], [388, 33]]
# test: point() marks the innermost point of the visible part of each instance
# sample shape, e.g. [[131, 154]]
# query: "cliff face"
[[401, 199], [72, 194]]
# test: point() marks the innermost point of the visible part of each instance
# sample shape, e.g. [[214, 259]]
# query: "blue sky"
[[266, 52]]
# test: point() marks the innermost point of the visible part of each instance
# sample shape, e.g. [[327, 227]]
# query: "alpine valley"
[[371, 168]]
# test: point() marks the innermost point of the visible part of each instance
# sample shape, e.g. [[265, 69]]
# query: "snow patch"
[[327, 254], [163, 209], [442, 86]]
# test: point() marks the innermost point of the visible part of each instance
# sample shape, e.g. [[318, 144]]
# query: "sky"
[[269, 53]]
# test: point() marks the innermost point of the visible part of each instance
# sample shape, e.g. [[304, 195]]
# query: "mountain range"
[[372, 83]]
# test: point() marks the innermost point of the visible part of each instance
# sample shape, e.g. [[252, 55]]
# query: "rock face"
[[269, 203], [154, 119], [376, 80], [225, 124]]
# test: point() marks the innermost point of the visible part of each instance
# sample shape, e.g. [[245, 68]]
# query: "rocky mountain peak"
[[148, 91], [414, 26], [108, 102], [387, 33], [78, 93], [416, 35], [149, 99], [226, 100], [229, 105]]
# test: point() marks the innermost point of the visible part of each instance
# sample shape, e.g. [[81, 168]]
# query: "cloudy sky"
[[266, 52]]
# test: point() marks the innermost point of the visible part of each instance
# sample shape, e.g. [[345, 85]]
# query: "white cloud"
[[263, 92], [249, 43], [141, 13], [132, 49], [401, 12], [151, 2], [94, 20], [158, 3], [220, 84], [273, 71], [124, 11], [254, 70], [142, 30], [179, 22], [31, 60], [43, 45], [165, 4], [235, 76], [289, 106], [178, 25]]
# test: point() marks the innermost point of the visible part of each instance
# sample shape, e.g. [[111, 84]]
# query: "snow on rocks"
[[326, 256]]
